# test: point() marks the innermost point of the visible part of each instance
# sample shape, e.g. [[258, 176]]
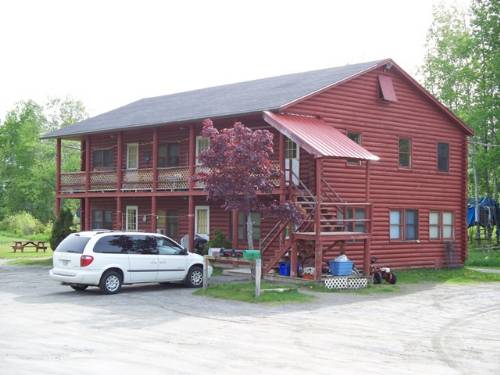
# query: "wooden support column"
[[318, 250], [282, 168], [87, 213], [119, 216], [234, 228], [366, 263], [191, 223], [119, 161], [87, 163], [154, 210], [82, 214], [369, 225], [293, 257], [192, 170], [155, 160], [58, 177]]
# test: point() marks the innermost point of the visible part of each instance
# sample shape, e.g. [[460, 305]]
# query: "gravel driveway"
[[46, 328]]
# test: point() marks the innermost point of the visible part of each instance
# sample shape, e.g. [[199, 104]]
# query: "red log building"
[[377, 164]]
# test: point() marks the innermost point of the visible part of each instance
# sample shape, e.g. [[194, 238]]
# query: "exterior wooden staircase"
[[333, 228]]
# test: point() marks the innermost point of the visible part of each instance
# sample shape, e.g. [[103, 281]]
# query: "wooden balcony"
[[169, 179]]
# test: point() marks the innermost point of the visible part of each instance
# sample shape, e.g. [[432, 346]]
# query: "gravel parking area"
[[46, 328]]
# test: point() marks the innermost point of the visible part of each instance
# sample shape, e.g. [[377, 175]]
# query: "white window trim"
[[137, 157], [197, 145], [136, 209], [199, 208]]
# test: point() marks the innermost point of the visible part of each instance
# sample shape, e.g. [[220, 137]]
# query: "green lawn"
[[6, 240], [482, 258], [245, 292], [458, 275], [371, 289], [31, 261]]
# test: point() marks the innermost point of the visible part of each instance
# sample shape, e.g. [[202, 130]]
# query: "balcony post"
[[87, 164], [119, 219], [318, 251], [58, 176], [191, 164], [155, 160], [119, 161], [87, 213], [282, 167], [153, 213]]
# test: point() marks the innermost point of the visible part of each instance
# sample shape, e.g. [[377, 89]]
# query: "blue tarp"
[[488, 206]]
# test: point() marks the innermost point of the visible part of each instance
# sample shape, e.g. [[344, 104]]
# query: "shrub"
[[61, 228], [219, 240], [22, 224]]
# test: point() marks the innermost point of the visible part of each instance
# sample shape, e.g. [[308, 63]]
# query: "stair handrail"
[[331, 189]]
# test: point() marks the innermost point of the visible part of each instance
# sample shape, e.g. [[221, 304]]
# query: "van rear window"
[[73, 244]]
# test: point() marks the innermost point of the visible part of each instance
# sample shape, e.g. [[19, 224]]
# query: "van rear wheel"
[[111, 282]]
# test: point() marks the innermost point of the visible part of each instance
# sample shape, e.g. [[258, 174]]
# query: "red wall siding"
[[356, 106]]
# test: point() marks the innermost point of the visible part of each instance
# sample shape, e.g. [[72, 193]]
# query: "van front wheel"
[[194, 277]]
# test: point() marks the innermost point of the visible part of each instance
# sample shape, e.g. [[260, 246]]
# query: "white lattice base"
[[345, 282]]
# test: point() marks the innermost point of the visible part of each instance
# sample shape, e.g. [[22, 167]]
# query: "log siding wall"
[[356, 106]]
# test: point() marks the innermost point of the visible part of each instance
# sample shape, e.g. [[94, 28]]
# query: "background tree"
[[462, 68], [27, 167], [237, 167]]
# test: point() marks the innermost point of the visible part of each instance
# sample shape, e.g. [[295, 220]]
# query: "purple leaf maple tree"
[[237, 167]]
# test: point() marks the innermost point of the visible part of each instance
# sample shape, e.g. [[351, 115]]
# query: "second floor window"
[[202, 144], [102, 159], [132, 155], [404, 152], [443, 156], [355, 137], [168, 155]]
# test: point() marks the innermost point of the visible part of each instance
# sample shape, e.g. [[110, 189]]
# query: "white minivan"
[[109, 259]]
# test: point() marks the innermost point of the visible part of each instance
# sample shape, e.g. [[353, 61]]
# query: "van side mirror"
[[184, 251]]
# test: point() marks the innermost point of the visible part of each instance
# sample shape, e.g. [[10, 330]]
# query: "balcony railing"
[[103, 181], [73, 182], [169, 179]]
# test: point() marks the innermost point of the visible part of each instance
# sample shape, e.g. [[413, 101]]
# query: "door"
[[143, 258], [292, 160], [202, 221], [132, 218], [172, 260]]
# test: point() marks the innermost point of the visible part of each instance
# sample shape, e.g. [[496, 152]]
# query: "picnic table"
[[21, 245]]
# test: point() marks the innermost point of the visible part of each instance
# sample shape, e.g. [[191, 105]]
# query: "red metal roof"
[[317, 137]]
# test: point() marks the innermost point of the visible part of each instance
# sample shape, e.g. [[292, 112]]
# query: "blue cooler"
[[284, 269], [340, 268]]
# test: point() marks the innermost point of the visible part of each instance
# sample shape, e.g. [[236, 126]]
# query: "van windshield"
[[73, 244]]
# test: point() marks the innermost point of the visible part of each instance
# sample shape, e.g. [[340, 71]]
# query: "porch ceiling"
[[317, 137]]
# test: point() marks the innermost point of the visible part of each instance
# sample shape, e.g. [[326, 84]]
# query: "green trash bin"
[[251, 254]]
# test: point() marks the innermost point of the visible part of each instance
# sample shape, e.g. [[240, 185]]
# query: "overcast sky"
[[109, 53]]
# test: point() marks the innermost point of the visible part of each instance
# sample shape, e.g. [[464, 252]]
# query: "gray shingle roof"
[[233, 99]]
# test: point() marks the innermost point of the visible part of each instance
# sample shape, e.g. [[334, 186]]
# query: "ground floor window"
[[202, 220], [102, 219], [132, 218], [403, 224], [441, 225], [356, 214], [173, 224], [242, 226]]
